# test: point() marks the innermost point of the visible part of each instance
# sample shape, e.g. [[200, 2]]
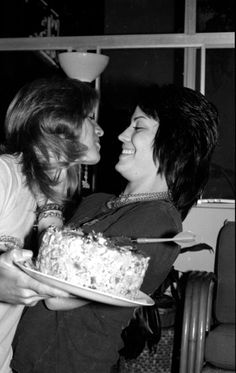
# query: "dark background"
[[128, 69]]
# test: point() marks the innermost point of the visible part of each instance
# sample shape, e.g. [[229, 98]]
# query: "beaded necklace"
[[124, 199]]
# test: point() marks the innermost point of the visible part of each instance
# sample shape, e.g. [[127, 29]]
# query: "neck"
[[159, 185], [127, 198]]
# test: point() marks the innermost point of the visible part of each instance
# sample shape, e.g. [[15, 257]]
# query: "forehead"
[[139, 113]]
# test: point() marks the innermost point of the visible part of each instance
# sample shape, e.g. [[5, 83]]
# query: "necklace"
[[124, 199]]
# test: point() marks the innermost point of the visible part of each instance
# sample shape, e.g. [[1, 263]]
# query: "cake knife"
[[182, 237]]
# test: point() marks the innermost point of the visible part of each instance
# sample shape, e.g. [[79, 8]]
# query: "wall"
[[205, 220]]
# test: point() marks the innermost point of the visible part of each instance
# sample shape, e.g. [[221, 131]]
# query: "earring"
[[85, 183]]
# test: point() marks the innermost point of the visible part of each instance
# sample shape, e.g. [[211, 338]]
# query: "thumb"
[[9, 257], [17, 255]]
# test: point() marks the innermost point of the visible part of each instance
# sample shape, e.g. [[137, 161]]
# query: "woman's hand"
[[16, 287], [64, 304]]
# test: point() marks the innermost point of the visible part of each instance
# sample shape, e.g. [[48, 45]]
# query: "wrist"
[[49, 214], [49, 206], [9, 243]]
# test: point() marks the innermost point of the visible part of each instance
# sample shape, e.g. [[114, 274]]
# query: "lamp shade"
[[82, 65]]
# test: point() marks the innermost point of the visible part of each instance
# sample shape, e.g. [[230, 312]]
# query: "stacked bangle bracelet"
[[51, 213], [10, 242], [49, 207], [49, 210]]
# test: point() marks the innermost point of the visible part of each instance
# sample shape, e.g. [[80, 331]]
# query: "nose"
[[125, 135], [98, 130]]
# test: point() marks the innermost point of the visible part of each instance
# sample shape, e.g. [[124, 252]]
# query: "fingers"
[[33, 304], [17, 287], [29, 300], [15, 255], [37, 287], [46, 291], [63, 304], [21, 255]]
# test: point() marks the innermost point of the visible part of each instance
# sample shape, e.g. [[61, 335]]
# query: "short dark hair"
[[44, 119], [185, 139]]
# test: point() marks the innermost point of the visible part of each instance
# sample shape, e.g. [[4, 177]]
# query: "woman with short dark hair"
[[185, 140]]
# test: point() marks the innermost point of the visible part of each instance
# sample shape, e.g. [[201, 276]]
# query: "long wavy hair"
[[185, 139], [43, 124]]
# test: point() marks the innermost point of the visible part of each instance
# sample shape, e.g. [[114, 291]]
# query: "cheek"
[[88, 141], [145, 151], [87, 134], [143, 141], [146, 159]]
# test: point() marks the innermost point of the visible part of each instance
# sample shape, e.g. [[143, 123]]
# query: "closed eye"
[[139, 124], [138, 128], [91, 116]]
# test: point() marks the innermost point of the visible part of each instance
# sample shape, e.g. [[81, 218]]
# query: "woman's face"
[[136, 159], [90, 134]]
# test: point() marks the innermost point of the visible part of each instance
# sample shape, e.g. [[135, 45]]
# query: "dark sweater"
[[87, 339]]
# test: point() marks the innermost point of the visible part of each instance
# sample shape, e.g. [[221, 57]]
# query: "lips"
[[97, 143]]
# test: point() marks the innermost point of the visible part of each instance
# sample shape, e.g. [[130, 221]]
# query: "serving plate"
[[141, 299]]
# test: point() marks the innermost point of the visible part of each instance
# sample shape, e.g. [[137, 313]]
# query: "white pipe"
[[203, 70]]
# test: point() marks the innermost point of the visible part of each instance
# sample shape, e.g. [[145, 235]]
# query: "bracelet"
[[51, 213], [11, 242], [49, 207]]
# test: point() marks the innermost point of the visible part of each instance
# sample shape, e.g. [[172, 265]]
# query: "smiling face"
[[136, 162], [90, 134]]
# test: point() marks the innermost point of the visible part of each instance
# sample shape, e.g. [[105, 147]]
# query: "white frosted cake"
[[91, 261]]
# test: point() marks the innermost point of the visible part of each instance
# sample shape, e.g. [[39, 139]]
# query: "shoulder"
[[10, 178], [9, 162], [168, 211], [157, 209], [154, 217], [10, 170]]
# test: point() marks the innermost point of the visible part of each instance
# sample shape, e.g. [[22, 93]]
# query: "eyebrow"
[[139, 117]]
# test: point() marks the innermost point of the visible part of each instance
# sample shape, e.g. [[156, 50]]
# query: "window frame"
[[189, 40]]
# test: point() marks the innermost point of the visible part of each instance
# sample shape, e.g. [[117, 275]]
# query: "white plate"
[[141, 300]]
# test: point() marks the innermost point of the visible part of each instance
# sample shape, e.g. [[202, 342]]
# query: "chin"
[[121, 170], [92, 161], [117, 168], [95, 161]]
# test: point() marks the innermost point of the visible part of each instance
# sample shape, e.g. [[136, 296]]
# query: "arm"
[[55, 303], [16, 287]]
